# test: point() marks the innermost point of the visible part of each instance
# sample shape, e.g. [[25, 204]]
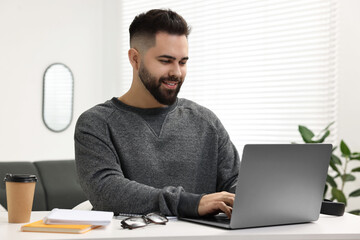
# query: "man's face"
[[163, 68]]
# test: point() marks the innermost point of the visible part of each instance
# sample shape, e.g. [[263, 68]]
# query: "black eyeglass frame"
[[147, 220]]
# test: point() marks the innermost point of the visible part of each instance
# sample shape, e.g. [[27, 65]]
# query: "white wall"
[[349, 84], [34, 34], [84, 35]]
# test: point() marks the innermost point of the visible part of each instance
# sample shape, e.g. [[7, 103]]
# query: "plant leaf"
[[326, 129], [355, 193], [328, 126], [333, 166], [306, 134], [325, 190], [355, 212], [331, 181], [335, 159], [338, 195], [348, 177], [322, 139], [355, 156], [334, 148], [344, 149], [356, 169]]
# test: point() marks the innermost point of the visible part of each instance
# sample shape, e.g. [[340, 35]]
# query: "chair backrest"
[[62, 188], [57, 186]]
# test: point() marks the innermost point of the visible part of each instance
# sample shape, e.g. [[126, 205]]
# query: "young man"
[[148, 151]]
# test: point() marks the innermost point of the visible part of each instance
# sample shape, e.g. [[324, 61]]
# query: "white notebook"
[[81, 217]]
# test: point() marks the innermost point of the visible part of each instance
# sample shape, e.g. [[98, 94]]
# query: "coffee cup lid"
[[20, 178]]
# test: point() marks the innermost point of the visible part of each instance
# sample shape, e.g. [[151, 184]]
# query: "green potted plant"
[[341, 172]]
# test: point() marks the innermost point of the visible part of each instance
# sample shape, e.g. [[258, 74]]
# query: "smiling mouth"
[[170, 84]]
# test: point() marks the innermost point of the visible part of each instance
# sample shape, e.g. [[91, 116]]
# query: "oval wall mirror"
[[58, 94]]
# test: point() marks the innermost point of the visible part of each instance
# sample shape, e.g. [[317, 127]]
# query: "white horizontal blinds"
[[263, 67]]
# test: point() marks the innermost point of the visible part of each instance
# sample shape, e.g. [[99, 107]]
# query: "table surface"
[[327, 227]]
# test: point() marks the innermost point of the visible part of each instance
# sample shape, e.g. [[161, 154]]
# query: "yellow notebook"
[[40, 226]]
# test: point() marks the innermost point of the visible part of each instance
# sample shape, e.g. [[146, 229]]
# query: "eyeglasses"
[[137, 222]]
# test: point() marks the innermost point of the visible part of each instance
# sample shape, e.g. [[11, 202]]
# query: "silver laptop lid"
[[280, 184]]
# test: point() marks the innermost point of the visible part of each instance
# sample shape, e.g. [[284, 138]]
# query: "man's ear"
[[134, 58]]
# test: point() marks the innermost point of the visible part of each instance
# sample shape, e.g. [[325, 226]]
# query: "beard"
[[153, 85]]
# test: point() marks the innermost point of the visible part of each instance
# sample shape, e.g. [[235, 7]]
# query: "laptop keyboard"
[[220, 218]]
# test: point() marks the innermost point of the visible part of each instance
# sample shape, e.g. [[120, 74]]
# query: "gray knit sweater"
[[125, 165]]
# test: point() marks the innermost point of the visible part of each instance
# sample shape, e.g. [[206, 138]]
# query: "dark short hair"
[[158, 20]]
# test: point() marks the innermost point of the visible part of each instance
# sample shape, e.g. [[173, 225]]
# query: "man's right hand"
[[215, 203]]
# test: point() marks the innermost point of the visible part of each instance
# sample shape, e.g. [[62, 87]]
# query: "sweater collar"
[[147, 111]]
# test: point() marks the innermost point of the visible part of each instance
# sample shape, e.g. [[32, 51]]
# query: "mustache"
[[170, 78]]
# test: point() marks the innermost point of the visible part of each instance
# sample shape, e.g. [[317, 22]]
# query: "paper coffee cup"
[[20, 190]]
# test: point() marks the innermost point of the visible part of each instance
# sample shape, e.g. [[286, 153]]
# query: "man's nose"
[[176, 70]]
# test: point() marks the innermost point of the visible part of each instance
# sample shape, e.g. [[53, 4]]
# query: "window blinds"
[[263, 67]]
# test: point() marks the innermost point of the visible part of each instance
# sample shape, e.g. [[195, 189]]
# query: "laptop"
[[277, 184]]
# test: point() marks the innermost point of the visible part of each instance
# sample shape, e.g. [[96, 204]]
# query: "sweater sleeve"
[[227, 157], [228, 160], [103, 181]]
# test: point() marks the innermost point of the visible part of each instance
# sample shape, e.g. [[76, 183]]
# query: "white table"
[[327, 227]]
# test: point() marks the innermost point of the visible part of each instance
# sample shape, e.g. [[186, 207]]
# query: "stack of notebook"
[[69, 221]]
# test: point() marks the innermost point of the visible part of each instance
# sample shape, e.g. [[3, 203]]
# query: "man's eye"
[[165, 61], [183, 63]]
